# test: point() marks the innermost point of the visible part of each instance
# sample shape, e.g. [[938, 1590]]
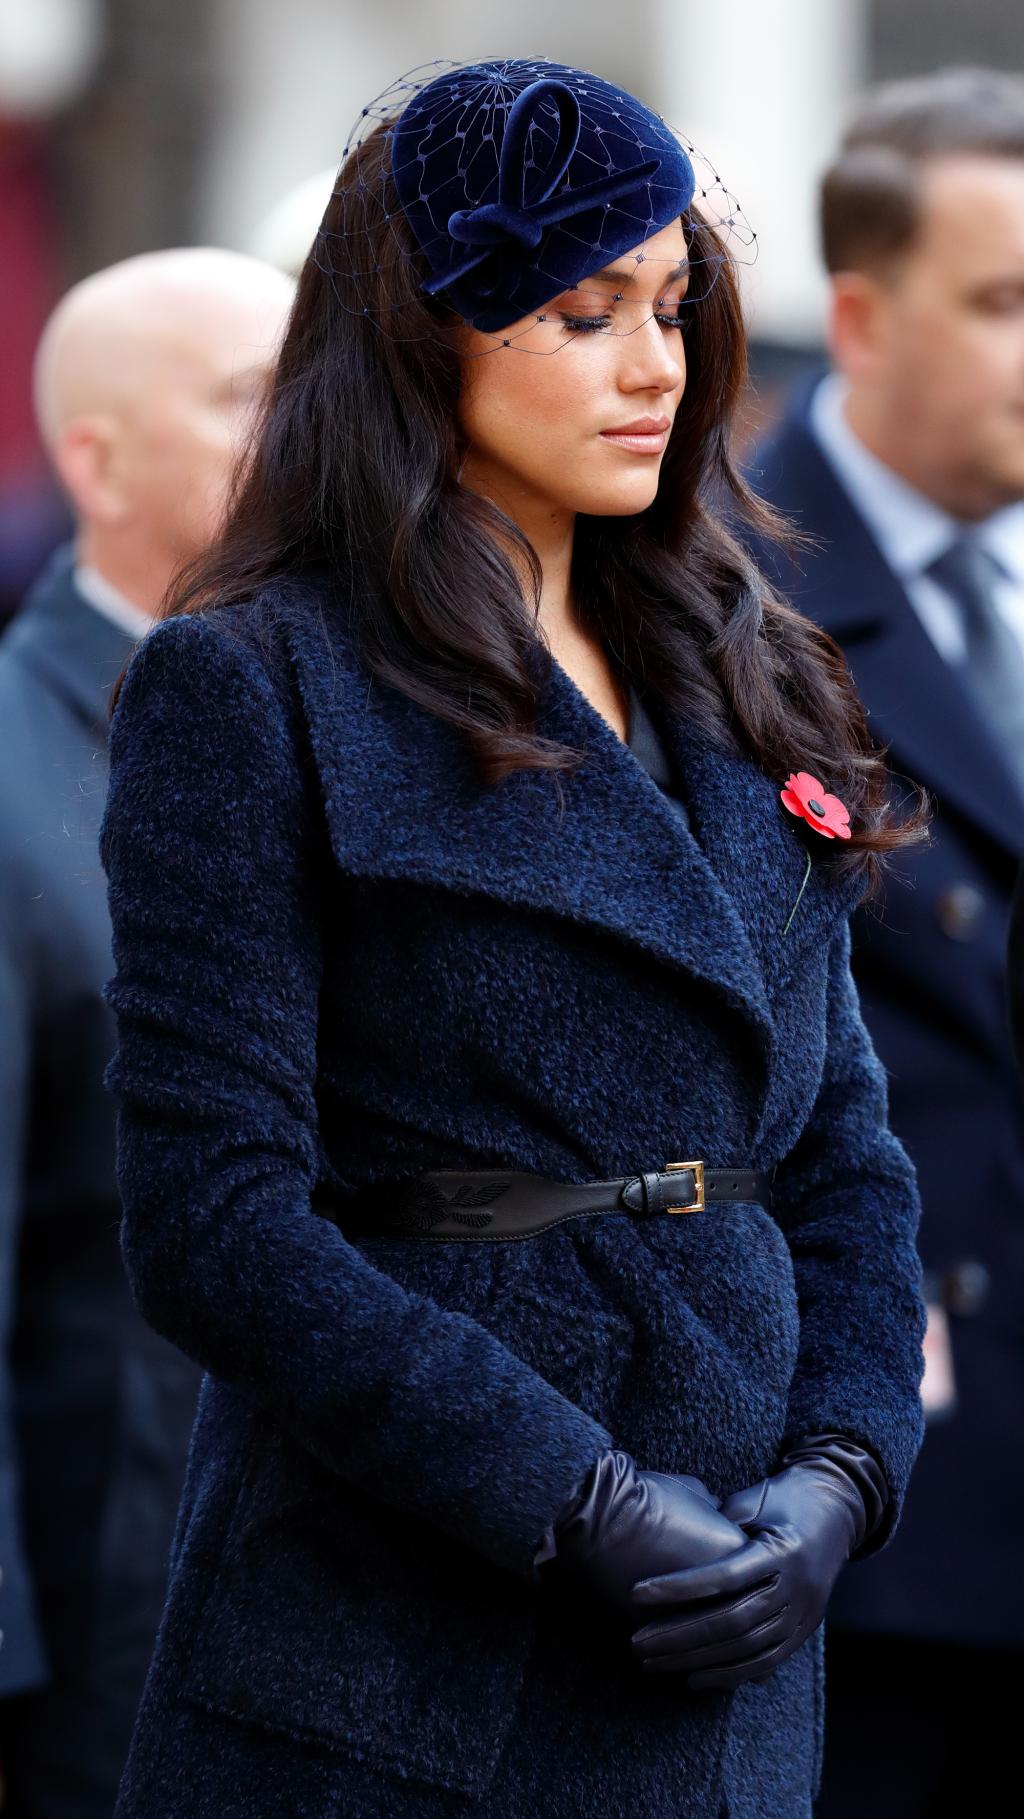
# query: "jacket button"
[[959, 911], [966, 1286]]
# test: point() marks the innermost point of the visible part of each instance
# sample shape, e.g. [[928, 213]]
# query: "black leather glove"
[[804, 1522], [624, 1524], [861, 1467]]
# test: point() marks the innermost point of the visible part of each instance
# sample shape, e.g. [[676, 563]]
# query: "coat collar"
[[74, 649], [403, 801], [917, 705]]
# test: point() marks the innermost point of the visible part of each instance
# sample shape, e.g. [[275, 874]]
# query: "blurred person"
[[449, 870], [145, 379], [906, 463]]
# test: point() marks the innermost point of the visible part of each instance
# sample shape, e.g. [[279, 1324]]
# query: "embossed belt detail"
[[494, 1205]]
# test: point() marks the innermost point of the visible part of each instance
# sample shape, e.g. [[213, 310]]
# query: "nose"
[[652, 359]]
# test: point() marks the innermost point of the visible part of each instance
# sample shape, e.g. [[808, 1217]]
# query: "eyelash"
[[586, 322]]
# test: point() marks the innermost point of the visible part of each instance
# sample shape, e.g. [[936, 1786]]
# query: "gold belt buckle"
[[697, 1170]]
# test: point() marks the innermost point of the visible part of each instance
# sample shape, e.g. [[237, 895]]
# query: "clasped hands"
[[728, 1592]]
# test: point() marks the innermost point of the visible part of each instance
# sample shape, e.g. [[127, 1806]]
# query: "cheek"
[[529, 408], [966, 358], [932, 374], [1000, 362]]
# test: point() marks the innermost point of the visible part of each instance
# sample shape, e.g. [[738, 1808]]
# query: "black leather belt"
[[490, 1205]]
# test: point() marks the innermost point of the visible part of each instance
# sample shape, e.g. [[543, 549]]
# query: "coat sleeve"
[[212, 846], [848, 1203]]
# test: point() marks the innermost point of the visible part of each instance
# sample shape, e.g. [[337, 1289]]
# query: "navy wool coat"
[[340, 958]]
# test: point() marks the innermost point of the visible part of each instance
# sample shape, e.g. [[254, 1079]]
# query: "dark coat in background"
[[95, 1408], [1015, 972], [341, 959], [931, 974]]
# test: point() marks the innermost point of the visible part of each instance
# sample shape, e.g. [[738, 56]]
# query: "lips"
[[644, 426], [646, 436]]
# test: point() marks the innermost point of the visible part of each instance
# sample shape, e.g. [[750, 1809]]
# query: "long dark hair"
[[355, 471]]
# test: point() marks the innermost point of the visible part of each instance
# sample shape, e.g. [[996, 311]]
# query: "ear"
[[858, 320], [84, 456]]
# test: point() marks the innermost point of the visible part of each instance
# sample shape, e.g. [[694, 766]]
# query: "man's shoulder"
[[31, 712], [834, 569], [786, 452], [41, 765]]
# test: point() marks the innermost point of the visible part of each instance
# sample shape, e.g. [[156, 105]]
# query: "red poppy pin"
[[807, 799]]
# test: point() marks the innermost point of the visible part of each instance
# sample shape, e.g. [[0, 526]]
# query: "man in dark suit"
[[144, 380], [906, 464]]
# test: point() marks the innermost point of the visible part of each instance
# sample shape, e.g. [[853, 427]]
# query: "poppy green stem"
[[800, 893]]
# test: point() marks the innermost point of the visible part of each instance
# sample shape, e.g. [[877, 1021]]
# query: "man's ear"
[[84, 457], [857, 323]]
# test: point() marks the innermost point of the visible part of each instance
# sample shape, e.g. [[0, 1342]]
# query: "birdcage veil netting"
[[492, 189]]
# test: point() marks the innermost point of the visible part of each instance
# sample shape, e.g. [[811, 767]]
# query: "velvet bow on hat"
[[519, 179]]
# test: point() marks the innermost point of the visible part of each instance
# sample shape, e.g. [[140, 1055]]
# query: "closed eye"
[[582, 323]]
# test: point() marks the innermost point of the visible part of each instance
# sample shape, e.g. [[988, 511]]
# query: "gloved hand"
[[862, 1467], [804, 1522], [624, 1524]]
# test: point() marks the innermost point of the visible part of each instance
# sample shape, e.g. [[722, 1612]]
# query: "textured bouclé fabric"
[[341, 959]]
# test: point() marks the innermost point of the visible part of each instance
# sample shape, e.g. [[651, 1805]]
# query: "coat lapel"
[[403, 801], [759, 855]]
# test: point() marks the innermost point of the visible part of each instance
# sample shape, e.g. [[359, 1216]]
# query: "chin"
[[991, 492], [616, 502]]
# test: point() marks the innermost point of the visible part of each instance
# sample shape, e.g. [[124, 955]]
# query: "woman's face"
[[572, 412]]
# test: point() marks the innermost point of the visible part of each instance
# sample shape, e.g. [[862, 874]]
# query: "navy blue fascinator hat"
[[517, 179]]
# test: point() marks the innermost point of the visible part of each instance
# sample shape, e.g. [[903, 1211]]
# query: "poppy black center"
[[816, 808]]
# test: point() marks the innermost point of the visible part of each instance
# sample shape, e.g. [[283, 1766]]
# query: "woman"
[[523, 1469]]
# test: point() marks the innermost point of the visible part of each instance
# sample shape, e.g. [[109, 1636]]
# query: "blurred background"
[[127, 125]]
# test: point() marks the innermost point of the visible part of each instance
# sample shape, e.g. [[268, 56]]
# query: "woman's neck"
[[571, 641]]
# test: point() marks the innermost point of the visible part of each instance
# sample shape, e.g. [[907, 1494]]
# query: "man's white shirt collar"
[[108, 600]]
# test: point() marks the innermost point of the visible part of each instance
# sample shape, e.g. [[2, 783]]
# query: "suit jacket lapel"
[[918, 706], [932, 727]]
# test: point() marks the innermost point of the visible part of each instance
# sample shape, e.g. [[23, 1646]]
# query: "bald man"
[[147, 380]]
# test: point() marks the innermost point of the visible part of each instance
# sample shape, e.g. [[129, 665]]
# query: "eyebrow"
[[616, 275]]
